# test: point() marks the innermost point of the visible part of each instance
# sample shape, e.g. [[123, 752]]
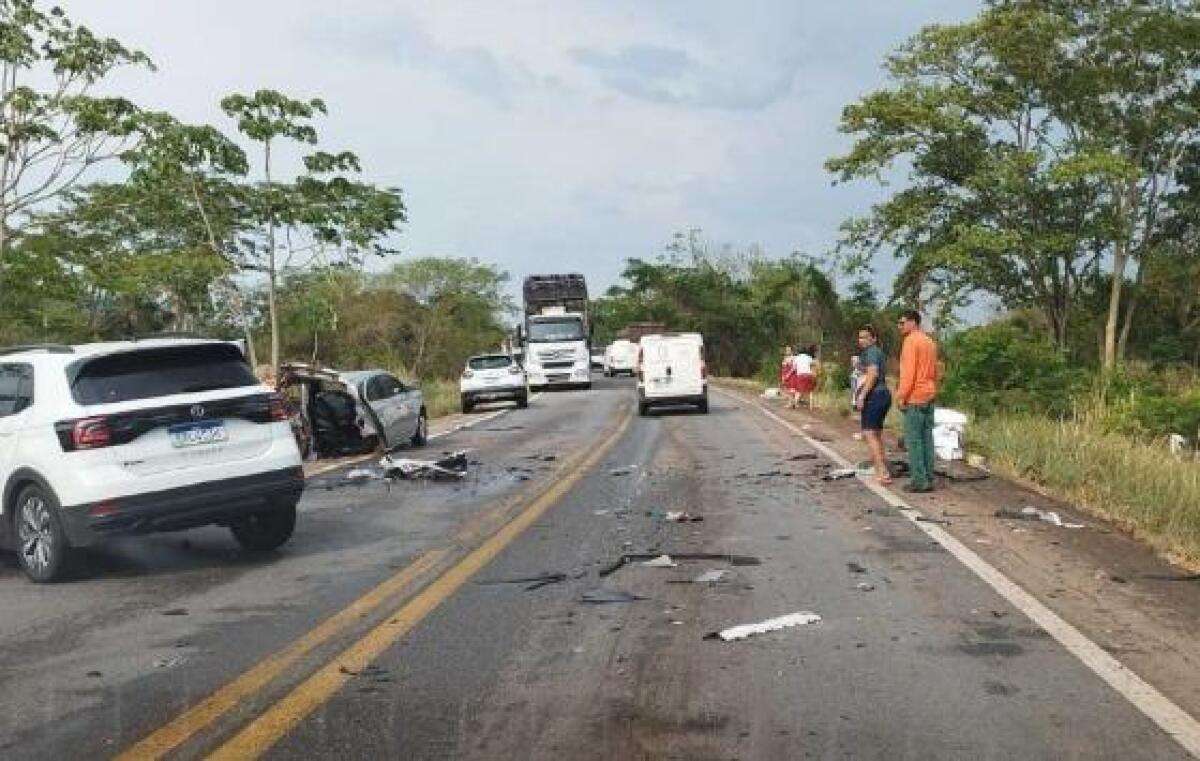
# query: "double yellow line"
[[276, 721]]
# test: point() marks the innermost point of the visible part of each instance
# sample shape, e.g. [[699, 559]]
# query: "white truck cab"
[[671, 371]]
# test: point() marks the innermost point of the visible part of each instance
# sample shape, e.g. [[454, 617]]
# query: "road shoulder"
[[1135, 605]]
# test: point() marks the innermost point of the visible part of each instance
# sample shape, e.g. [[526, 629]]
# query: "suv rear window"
[[160, 371], [489, 363]]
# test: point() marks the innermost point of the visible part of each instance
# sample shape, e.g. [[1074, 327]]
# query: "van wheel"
[[467, 406], [420, 437], [522, 401], [42, 546], [643, 409], [703, 406], [267, 530]]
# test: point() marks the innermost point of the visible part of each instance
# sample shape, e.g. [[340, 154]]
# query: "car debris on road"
[[742, 631], [602, 595], [735, 560], [453, 465]]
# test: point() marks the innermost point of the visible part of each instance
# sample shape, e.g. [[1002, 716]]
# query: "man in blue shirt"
[[874, 399]]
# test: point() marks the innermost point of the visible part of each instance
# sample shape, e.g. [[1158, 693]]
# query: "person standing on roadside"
[[787, 375], [873, 398], [915, 395], [805, 364]]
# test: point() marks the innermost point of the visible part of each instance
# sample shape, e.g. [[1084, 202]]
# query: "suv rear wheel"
[[42, 546], [266, 530]]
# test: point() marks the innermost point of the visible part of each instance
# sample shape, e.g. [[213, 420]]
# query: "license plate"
[[197, 434]]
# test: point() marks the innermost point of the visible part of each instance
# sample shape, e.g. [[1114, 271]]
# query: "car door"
[[379, 397], [408, 406], [16, 397]]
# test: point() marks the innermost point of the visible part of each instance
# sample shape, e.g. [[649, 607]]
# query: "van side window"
[[16, 388]]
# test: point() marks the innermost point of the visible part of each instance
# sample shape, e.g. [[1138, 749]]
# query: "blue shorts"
[[875, 409]]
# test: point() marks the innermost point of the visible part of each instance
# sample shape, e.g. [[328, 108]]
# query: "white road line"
[[1173, 720]]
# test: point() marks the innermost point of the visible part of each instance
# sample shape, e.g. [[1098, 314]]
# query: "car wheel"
[[522, 401], [266, 530], [703, 406], [467, 406], [42, 546], [421, 436], [643, 409]]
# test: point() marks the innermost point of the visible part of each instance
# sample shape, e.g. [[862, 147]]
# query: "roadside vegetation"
[[118, 220]]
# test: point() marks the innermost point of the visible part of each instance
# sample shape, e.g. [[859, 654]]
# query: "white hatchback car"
[[493, 377], [136, 437]]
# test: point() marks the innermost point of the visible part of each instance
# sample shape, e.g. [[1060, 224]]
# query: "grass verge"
[[1138, 486]]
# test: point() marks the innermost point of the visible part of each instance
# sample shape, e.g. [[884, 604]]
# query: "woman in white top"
[[805, 366]]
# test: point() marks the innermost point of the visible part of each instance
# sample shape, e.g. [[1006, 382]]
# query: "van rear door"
[[671, 367]]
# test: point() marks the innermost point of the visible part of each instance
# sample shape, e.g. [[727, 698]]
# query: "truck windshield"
[[556, 330]]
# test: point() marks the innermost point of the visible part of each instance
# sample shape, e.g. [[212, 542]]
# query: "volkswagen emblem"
[[197, 410]]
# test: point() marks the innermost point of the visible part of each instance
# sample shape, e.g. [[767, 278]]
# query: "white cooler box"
[[949, 433]]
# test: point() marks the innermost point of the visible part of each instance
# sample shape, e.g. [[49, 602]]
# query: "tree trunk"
[[1131, 310], [1120, 260], [274, 314]]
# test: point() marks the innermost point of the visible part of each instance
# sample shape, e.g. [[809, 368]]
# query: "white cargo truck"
[[555, 336], [671, 371]]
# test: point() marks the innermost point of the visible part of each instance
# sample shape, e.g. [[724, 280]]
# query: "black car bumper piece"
[[219, 502]]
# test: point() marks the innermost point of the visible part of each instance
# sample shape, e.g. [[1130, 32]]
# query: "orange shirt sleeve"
[[908, 371]]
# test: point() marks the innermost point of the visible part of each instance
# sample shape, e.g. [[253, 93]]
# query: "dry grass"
[[1137, 485], [441, 397]]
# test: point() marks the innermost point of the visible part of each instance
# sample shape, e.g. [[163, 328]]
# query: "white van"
[[671, 371], [620, 357]]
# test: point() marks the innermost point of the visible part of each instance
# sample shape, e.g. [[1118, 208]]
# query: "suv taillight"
[[87, 433], [277, 408]]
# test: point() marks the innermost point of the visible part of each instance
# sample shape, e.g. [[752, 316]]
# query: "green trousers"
[[918, 438]]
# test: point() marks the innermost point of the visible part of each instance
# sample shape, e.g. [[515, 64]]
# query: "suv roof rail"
[[51, 348]]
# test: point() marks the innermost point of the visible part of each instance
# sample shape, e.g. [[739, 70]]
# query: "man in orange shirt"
[[915, 396]]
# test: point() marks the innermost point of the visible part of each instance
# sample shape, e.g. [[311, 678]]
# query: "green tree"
[[463, 306], [53, 128], [266, 117], [1042, 138]]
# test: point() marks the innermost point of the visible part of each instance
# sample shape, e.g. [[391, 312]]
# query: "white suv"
[[493, 377], [137, 437]]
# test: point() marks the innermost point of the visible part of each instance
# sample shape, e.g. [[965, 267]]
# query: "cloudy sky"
[[553, 136]]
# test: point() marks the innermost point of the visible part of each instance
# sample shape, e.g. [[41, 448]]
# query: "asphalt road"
[[915, 657]]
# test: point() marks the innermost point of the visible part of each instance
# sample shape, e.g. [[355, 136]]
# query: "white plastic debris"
[[360, 473], [1176, 443], [710, 577], [662, 561], [742, 631], [771, 393], [1051, 517], [839, 473]]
